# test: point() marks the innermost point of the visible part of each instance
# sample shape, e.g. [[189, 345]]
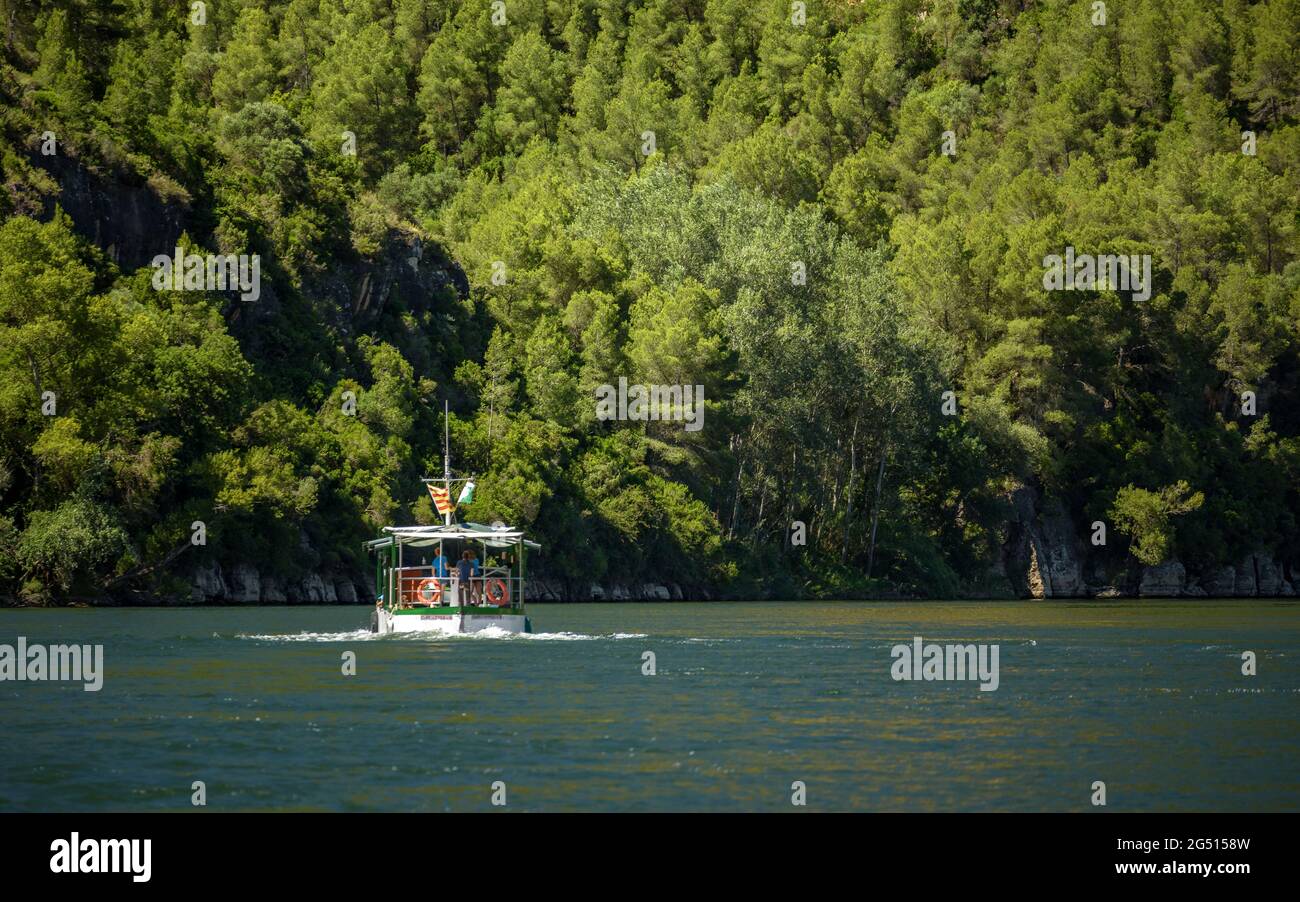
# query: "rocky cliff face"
[[1258, 575], [119, 213], [1043, 556], [1166, 580], [406, 267], [243, 584], [1219, 582], [132, 223], [557, 590]]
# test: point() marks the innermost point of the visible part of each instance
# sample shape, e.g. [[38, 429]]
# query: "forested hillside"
[[830, 215]]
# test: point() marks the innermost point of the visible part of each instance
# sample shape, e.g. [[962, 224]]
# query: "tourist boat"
[[414, 595], [417, 588]]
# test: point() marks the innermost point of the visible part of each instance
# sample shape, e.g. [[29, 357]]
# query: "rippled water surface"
[[747, 699]]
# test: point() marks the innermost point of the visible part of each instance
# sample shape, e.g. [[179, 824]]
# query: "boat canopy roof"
[[425, 536]]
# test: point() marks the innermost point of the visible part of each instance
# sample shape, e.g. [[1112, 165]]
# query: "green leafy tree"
[[1147, 517]]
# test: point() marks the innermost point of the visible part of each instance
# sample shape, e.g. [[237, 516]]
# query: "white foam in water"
[[577, 637], [313, 637], [489, 633]]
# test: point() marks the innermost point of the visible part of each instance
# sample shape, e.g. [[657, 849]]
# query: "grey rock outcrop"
[[209, 583], [1268, 576], [315, 590], [1221, 582], [1245, 578], [1258, 575], [245, 584], [242, 583], [405, 267], [541, 590], [1163, 580], [273, 591], [115, 209], [1043, 553]]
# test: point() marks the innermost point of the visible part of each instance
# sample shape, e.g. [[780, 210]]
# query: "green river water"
[[747, 698]]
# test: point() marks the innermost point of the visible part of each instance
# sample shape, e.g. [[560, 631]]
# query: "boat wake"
[[352, 636], [553, 637], [489, 633]]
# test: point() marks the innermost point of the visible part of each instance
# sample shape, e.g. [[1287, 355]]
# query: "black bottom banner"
[[337, 852]]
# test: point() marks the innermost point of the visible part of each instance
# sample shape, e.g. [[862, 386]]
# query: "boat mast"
[[446, 457]]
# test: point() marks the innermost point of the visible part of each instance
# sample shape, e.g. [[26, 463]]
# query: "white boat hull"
[[452, 623]]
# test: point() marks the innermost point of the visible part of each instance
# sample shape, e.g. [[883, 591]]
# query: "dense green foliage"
[[633, 189]]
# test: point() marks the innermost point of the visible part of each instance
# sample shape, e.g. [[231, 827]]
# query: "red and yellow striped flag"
[[441, 500]]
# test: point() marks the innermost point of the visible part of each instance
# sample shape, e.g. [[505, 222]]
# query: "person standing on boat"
[[476, 572], [464, 571], [440, 567]]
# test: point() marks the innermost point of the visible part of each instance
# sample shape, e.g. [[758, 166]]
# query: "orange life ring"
[[498, 592], [432, 597]]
